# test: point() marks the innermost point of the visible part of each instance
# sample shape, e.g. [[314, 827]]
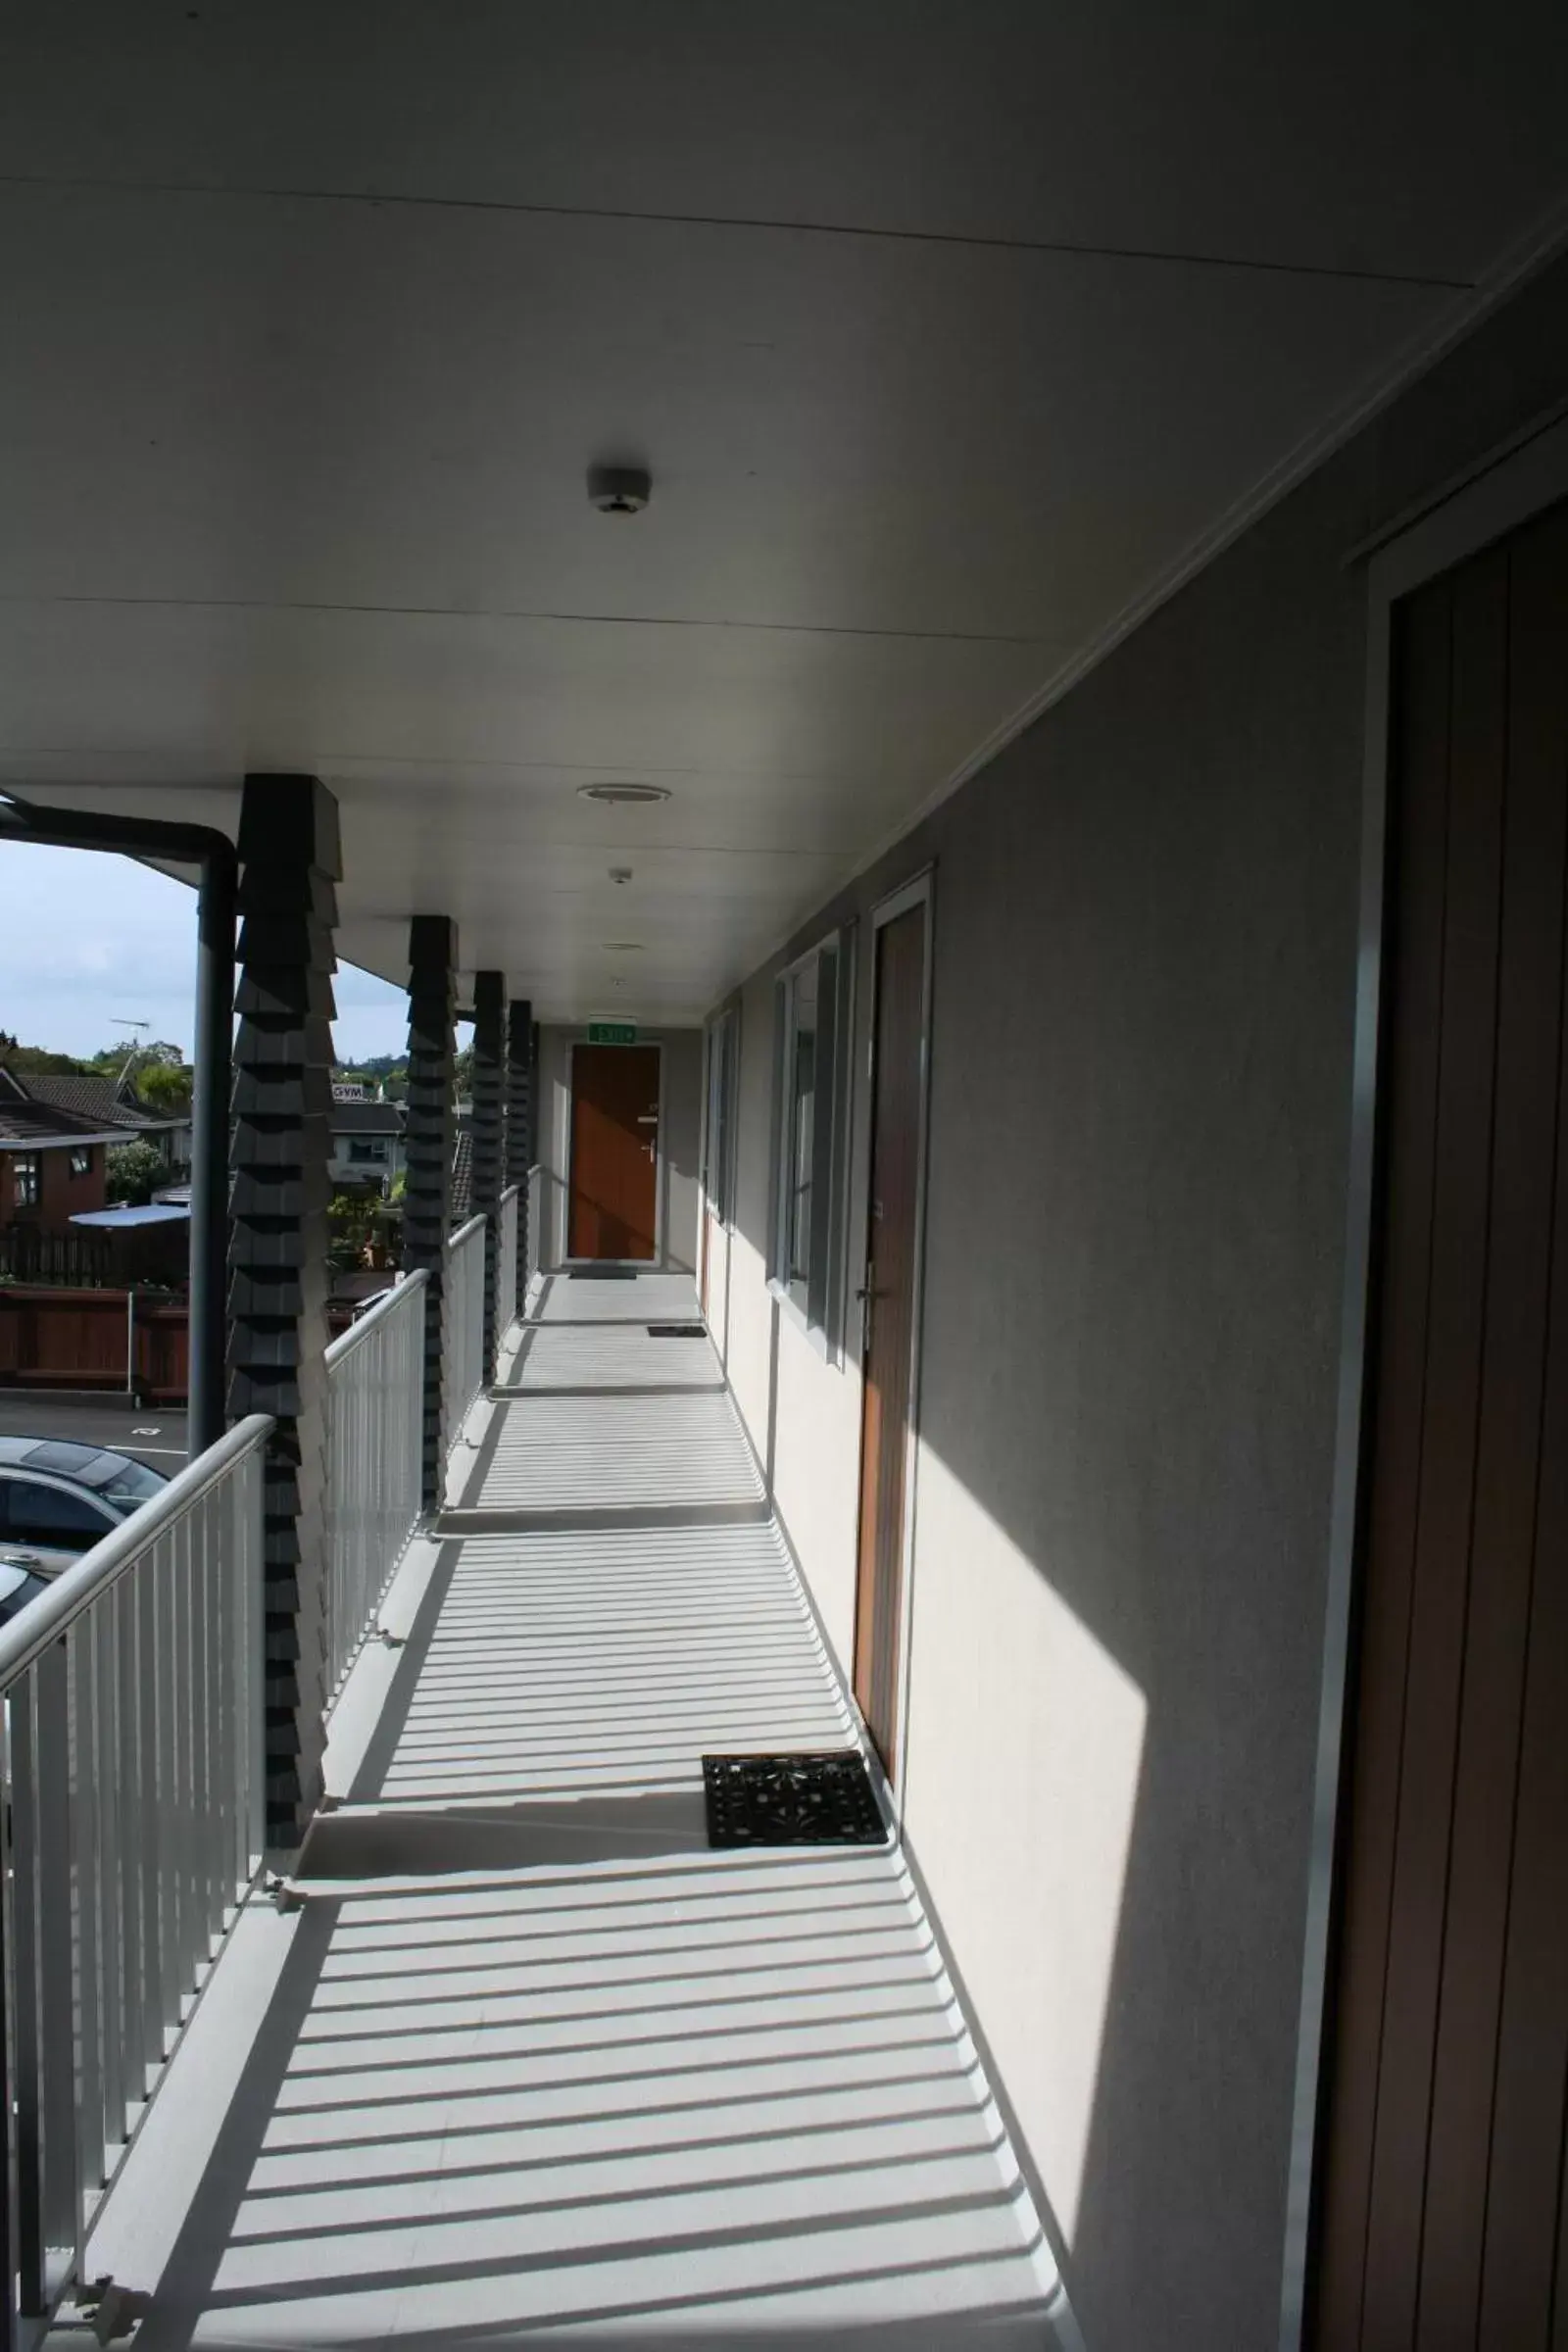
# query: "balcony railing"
[[133, 1767], [374, 1374], [463, 1367], [536, 1217], [507, 1259], [133, 1826]]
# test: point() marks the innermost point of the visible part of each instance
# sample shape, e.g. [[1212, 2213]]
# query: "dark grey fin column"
[[520, 1133], [489, 1118], [280, 1145], [427, 1149]]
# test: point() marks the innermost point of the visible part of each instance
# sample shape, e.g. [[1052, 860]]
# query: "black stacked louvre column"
[[427, 1150], [520, 1133], [281, 1147], [489, 1117]]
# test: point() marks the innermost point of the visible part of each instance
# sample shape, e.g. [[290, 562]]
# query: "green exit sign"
[[611, 1033]]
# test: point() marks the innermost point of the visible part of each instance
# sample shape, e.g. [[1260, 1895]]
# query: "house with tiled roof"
[[54, 1133]]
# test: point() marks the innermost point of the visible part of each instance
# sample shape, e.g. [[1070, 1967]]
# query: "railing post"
[[428, 1146], [519, 1135], [290, 855], [489, 1115]]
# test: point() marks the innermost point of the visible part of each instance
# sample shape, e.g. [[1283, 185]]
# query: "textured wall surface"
[[489, 1143], [1146, 920], [519, 1139], [280, 1142], [427, 1142]]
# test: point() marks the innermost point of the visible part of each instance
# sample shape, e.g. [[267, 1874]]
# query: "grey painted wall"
[[1146, 928], [679, 1139]]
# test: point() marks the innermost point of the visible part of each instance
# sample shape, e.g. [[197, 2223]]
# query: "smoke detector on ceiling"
[[624, 796], [621, 874], [619, 489]]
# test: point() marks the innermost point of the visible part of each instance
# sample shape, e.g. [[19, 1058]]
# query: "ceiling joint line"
[[1070, 249], [621, 621]]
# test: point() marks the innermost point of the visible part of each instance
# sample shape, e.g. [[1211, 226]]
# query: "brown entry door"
[[614, 1151], [892, 1250], [1442, 2217]]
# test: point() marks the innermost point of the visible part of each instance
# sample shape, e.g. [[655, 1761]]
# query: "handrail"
[[464, 1371], [375, 1408], [33, 1629], [347, 1341], [134, 1692]]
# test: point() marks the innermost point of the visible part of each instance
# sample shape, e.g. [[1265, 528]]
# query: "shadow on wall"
[[1135, 1218]]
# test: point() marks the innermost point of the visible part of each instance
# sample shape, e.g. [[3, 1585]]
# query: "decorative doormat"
[[791, 1800], [602, 1274], [676, 1331]]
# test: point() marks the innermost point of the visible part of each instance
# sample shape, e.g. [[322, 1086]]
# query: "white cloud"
[[89, 941]]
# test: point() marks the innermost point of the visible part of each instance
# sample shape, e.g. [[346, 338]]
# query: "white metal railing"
[[506, 1262], [536, 1219], [133, 1824], [374, 1393], [462, 1370]]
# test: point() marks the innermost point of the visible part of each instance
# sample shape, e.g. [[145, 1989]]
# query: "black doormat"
[[676, 1331], [602, 1274], [791, 1800]]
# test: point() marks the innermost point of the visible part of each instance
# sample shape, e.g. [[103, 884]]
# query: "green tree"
[[349, 1216], [38, 1059], [130, 1172], [166, 1087]]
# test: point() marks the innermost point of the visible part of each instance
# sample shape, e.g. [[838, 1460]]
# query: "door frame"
[[652, 1045], [918, 891], [1504, 491]]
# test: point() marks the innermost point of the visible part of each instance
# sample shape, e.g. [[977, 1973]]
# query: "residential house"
[[366, 1144], [54, 1134]]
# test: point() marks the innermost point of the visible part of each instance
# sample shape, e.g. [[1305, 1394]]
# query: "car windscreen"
[[122, 1484], [17, 1586]]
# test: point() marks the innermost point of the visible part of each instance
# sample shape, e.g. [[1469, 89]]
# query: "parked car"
[[56, 1500]]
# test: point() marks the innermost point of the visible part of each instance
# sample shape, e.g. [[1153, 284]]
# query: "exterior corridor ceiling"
[[950, 336]]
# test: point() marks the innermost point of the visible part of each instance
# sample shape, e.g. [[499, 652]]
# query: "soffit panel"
[[1323, 136]]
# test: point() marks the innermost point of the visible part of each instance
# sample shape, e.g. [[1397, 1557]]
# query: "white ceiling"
[[948, 334]]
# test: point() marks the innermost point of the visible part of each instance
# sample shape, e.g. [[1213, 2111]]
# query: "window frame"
[[26, 1179], [815, 1299], [81, 1152], [18, 1481]]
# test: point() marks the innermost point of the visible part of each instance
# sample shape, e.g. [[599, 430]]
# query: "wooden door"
[[1441, 2216], [892, 1257], [614, 1151]]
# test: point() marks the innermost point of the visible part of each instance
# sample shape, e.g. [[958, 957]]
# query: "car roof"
[[65, 1457]]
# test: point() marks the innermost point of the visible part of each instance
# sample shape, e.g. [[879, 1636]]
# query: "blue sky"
[[89, 940]]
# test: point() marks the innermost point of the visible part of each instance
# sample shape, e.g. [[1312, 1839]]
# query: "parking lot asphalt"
[[153, 1434]]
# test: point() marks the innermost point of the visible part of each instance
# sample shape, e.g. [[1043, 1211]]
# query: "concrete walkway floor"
[[529, 2063]]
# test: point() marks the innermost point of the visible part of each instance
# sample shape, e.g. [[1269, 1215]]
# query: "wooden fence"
[[79, 1257], [73, 1338]]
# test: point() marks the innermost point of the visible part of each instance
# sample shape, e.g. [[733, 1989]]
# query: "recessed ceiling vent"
[[624, 796]]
